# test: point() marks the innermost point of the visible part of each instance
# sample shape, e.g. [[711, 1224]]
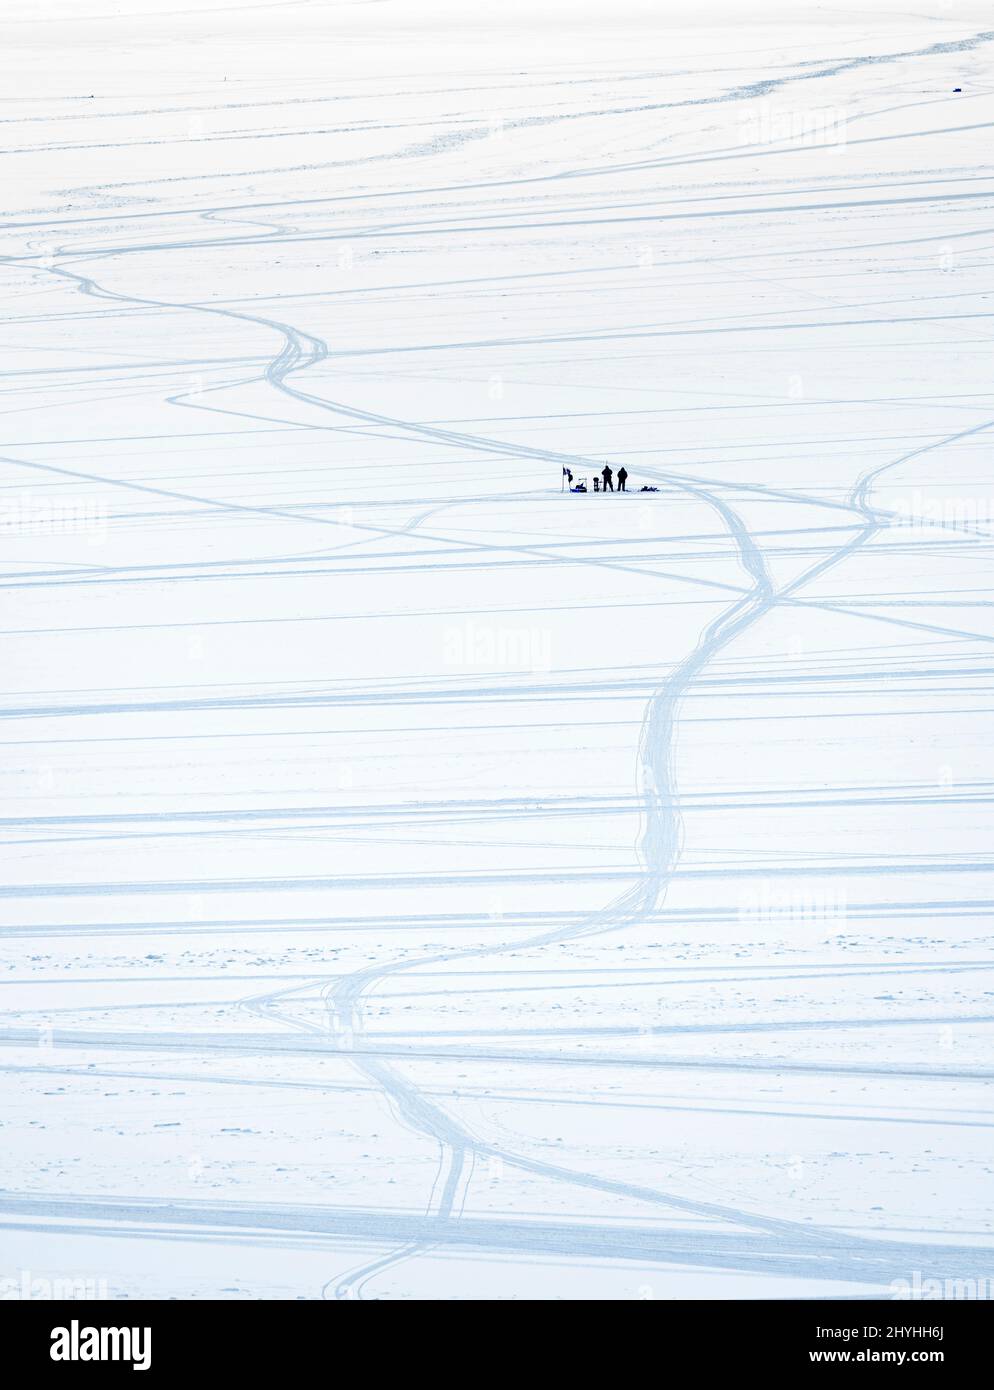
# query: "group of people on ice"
[[604, 483]]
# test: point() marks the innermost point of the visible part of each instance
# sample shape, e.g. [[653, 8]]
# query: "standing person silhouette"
[[622, 478], [607, 475]]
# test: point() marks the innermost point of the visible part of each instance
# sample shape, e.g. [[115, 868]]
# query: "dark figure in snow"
[[607, 475], [622, 478]]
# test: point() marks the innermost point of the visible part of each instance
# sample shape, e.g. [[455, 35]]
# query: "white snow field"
[[420, 882]]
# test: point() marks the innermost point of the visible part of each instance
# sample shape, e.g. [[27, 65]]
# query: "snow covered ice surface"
[[420, 882]]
